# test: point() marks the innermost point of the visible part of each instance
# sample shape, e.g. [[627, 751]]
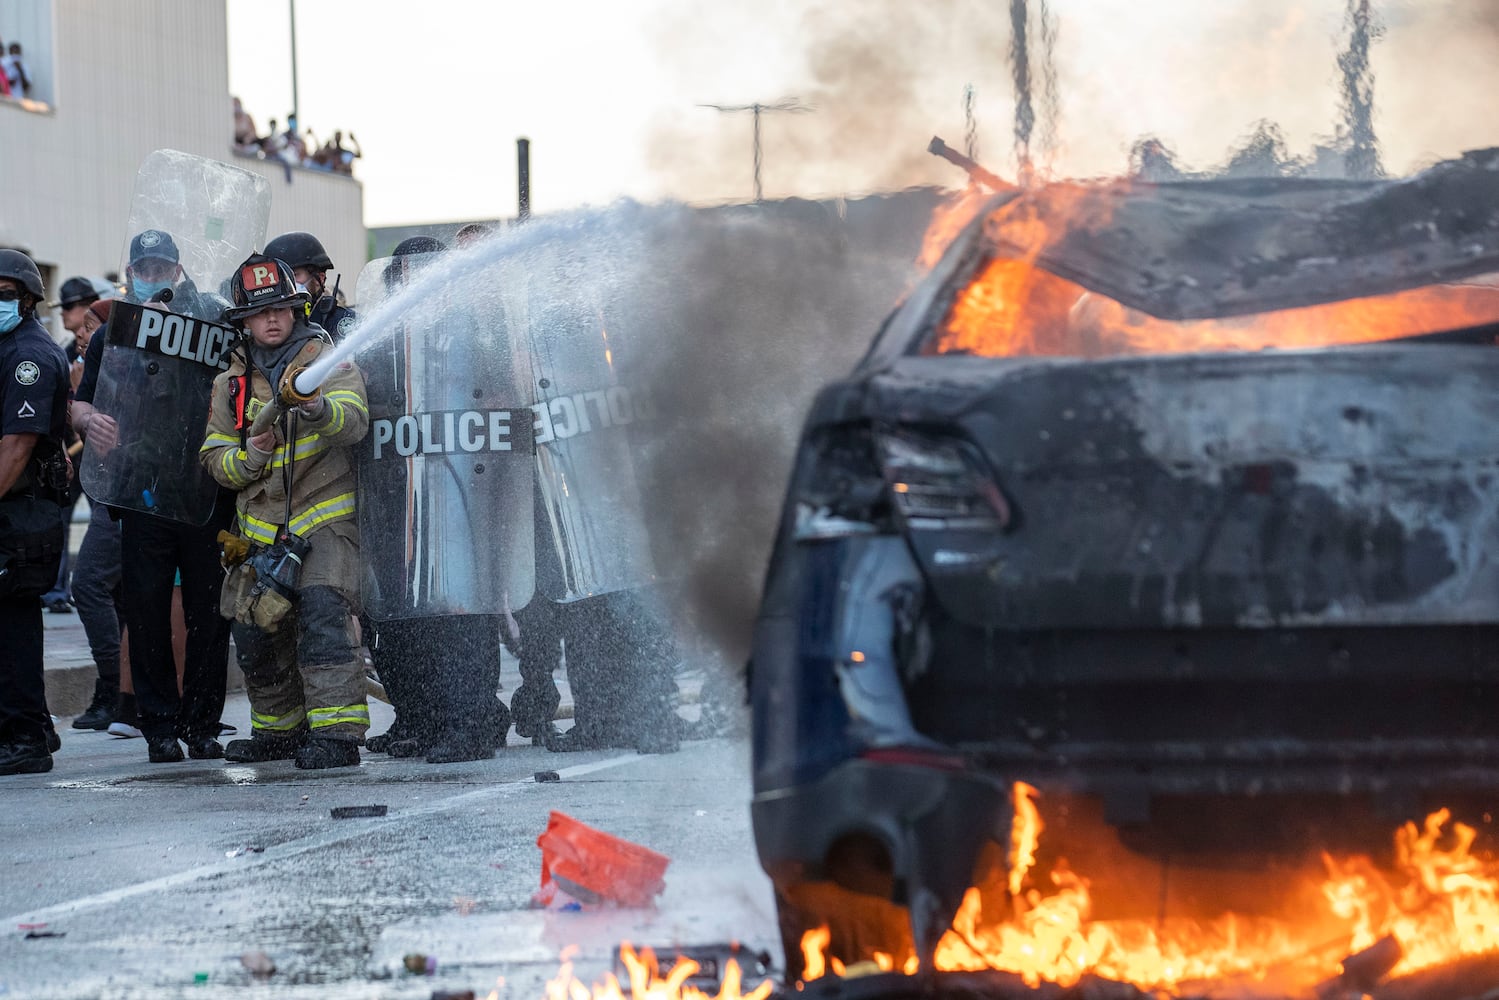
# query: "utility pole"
[[523, 179], [790, 104], [296, 106]]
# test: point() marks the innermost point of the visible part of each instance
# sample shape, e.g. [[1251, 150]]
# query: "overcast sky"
[[607, 90]]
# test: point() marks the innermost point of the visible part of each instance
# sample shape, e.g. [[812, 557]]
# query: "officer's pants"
[[152, 552], [307, 673], [96, 592], [534, 704], [443, 675], [23, 700]]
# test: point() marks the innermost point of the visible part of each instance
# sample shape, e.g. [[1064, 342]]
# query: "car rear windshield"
[[1009, 307]]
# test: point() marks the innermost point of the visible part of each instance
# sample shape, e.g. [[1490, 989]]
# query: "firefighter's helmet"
[[262, 283]]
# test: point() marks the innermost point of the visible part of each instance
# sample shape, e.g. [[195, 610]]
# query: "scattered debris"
[[358, 812], [240, 851], [421, 965], [593, 867], [544, 776], [258, 964], [465, 905], [712, 962]]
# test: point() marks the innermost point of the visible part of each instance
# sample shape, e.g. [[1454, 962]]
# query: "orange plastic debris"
[[592, 866]]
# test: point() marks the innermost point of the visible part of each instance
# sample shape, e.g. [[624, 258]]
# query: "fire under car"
[[1178, 503]]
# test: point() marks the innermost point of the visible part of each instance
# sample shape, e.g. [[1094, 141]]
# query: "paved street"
[[156, 875]]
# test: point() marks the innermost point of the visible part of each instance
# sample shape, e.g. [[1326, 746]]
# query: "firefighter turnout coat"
[[305, 674]]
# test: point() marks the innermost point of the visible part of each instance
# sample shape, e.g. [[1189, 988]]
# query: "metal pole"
[[523, 179], [295, 104], [757, 153]]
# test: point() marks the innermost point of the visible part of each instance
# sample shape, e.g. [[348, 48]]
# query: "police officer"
[[295, 485], [33, 485], [154, 551], [310, 265]]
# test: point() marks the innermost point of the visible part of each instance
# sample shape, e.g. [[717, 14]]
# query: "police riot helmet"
[[300, 250], [18, 267], [398, 271], [262, 283]]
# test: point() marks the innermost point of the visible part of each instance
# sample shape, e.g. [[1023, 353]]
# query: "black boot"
[[163, 749], [456, 747], [258, 749], [322, 752], [24, 758], [101, 711]]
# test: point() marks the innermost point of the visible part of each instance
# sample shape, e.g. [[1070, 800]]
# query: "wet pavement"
[[158, 877]]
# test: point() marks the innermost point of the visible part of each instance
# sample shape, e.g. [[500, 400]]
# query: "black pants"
[[621, 659], [23, 699], [152, 552], [443, 677], [534, 703], [96, 591]]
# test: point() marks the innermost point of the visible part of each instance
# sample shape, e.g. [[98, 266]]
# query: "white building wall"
[[126, 78]]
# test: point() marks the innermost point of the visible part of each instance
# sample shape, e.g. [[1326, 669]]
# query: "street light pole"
[[295, 104]]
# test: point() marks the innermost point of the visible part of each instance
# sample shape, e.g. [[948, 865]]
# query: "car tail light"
[[941, 483], [838, 490]]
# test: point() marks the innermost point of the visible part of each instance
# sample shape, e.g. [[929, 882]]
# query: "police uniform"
[[336, 319], [156, 552], [33, 400]]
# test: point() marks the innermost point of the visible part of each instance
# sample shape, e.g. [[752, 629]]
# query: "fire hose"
[[291, 392]]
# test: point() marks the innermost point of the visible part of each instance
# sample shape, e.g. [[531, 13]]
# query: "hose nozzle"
[[288, 391]]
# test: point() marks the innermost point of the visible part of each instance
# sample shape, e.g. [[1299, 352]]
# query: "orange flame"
[[1025, 835], [948, 221], [647, 982], [1014, 307], [1446, 908]]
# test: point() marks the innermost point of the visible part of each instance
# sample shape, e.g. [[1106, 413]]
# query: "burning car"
[[1176, 502]]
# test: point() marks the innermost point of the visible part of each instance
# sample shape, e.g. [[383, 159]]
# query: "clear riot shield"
[[445, 474], [585, 414], [192, 221]]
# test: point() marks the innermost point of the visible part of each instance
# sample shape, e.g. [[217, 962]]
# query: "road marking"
[[341, 830]]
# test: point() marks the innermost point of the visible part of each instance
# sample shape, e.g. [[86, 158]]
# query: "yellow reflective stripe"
[[337, 400], [348, 396], [257, 530], [306, 447], [234, 459], [277, 723], [315, 516], [320, 514], [233, 464], [358, 715]]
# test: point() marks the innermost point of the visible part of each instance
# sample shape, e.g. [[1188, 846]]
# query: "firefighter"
[[33, 485], [295, 483], [310, 265]]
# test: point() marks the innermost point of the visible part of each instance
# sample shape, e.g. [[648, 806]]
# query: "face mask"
[[144, 290], [10, 316]]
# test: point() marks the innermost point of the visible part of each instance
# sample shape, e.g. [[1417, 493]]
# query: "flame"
[[948, 221], [1014, 307], [647, 982], [1025, 835], [1443, 904]]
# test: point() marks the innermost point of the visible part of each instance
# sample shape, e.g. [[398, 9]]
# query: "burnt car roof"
[[1208, 249]]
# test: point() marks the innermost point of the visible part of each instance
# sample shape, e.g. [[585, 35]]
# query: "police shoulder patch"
[[345, 325], [27, 373]]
